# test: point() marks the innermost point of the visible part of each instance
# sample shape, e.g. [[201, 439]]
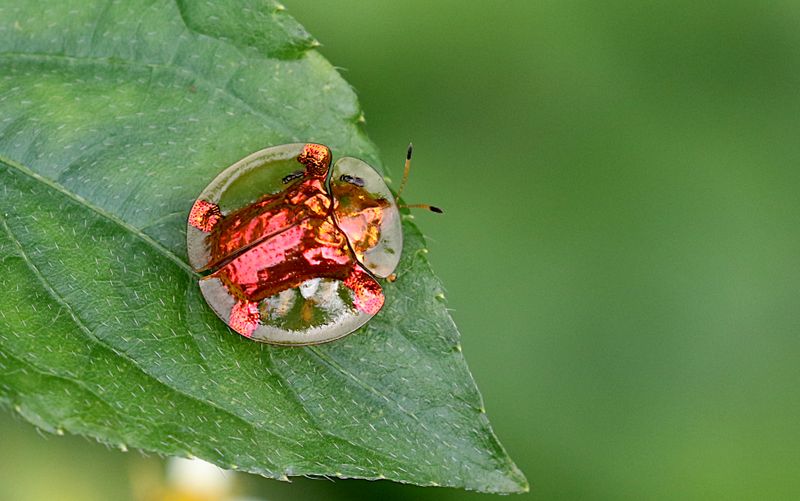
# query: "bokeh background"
[[621, 246]]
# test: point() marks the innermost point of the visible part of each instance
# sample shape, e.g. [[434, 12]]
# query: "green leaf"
[[113, 117]]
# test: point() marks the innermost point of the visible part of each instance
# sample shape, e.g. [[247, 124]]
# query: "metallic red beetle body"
[[310, 231]]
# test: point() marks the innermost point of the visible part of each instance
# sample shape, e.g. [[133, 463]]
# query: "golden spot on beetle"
[[307, 311]]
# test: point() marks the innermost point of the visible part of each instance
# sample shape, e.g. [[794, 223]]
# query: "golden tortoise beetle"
[[291, 246]]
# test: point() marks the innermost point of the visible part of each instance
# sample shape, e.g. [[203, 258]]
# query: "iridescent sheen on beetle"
[[292, 247]]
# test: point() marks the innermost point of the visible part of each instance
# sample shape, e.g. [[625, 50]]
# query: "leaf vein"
[[199, 78], [333, 364]]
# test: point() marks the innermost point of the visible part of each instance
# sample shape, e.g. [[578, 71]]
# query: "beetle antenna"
[[406, 171], [431, 208]]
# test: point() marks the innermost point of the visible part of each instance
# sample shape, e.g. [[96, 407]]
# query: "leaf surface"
[[113, 117]]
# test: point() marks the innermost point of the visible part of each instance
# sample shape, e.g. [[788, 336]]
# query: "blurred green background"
[[620, 248]]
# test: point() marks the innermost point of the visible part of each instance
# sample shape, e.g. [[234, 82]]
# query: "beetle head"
[[316, 158]]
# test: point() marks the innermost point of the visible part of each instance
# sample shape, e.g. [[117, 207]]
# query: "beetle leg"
[[204, 215], [245, 317], [367, 291]]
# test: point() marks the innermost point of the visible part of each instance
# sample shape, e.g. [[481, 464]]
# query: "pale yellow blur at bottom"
[[184, 480]]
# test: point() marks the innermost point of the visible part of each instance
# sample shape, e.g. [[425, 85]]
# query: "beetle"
[[292, 247]]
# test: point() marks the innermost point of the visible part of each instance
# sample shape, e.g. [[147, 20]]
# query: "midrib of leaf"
[[100, 212]]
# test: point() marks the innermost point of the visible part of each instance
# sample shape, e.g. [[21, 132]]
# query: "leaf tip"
[[513, 482]]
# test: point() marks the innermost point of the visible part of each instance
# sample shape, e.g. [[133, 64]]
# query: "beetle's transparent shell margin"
[[318, 309]]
